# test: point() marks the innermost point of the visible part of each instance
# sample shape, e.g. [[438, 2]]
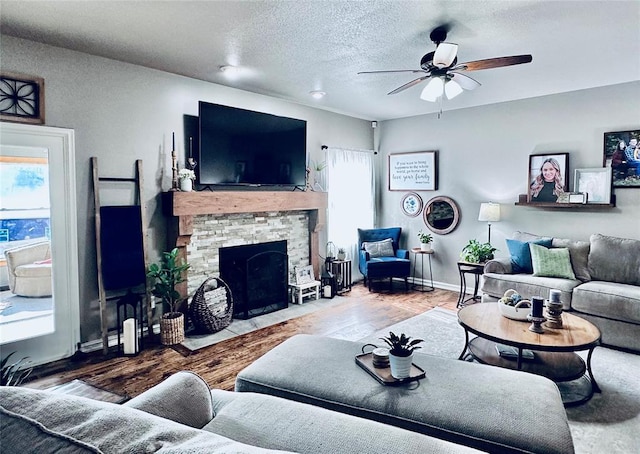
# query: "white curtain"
[[351, 191]]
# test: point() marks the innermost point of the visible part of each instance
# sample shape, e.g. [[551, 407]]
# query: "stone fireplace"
[[203, 222]]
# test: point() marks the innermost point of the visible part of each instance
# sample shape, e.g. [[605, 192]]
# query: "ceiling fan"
[[442, 70]]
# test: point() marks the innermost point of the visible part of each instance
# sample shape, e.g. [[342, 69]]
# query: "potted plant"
[[186, 177], [167, 274], [341, 253], [425, 240], [14, 374], [476, 252], [401, 353]]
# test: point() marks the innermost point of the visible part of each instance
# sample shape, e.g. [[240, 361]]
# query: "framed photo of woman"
[[548, 177]]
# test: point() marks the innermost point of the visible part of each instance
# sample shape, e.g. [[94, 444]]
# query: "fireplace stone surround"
[[244, 213]]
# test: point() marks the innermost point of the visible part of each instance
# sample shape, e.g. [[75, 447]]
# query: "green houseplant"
[[476, 252], [425, 240], [14, 374], [341, 253], [401, 353], [167, 274]]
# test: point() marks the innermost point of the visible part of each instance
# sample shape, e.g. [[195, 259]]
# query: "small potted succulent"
[[166, 275], [186, 177], [425, 240], [401, 353], [477, 252], [341, 253]]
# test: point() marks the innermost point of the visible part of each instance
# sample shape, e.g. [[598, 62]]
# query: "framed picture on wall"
[[621, 152], [548, 177], [415, 171], [412, 204], [596, 183]]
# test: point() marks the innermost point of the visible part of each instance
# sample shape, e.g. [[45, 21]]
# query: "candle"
[[130, 339], [554, 296], [327, 291], [174, 140], [536, 306]]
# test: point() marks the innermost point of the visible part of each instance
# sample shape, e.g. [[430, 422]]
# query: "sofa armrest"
[[184, 397], [364, 256], [402, 254], [499, 266]]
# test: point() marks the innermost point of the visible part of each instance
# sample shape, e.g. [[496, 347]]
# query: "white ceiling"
[[289, 48]]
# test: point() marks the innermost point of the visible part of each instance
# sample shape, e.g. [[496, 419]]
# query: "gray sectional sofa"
[[181, 415], [605, 290]]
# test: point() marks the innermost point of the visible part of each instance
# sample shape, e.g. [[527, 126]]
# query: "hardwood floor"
[[363, 313]]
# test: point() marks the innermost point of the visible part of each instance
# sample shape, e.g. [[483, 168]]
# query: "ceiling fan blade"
[[494, 63], [415, 71], [465, 82], [409, 84], [445, 55]]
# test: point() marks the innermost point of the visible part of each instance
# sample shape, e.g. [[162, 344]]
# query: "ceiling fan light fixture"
[[452, 89], [317, 94], [445, 54], [433, 90]]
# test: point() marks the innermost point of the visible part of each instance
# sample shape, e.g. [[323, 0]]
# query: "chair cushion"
[[33, 270], [382, 248], [553, 262], [521, 256]]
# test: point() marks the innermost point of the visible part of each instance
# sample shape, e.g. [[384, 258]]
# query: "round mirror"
[[441, 215]]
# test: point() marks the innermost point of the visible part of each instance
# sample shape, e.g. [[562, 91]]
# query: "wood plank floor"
[[362, 313]]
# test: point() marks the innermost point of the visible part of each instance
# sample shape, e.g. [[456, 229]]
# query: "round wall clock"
[[412, 204]]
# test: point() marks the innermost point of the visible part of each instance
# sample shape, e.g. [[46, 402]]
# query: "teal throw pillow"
[[521, 256], [554, 262]]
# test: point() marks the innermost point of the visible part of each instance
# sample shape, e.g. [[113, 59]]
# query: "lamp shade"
[[452, 89], [489, 212], [433, 90]]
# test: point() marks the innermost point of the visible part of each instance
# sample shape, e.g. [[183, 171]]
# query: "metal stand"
[[422, 287], [477, 269]]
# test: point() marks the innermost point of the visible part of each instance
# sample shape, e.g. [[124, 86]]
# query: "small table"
[[301, 291], [554, 350], [422, 288], [477, 269]]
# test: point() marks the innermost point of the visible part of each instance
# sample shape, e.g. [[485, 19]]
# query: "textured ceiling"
[[289, 48]]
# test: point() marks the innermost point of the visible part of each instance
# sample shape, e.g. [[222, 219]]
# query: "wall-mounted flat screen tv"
[[243, 147]]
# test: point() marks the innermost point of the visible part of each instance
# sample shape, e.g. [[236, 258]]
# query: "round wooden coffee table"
[[553, 351]]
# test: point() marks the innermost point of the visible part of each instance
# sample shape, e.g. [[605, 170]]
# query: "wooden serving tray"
[[383, 375]]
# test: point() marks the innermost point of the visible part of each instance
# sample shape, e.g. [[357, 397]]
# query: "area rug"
[[194, 342], [609, 422], [15, 307]]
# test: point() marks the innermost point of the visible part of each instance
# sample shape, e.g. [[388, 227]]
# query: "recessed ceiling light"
[[317, 94], [229, 70]]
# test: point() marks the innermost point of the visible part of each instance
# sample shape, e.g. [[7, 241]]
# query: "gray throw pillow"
[[382, 248], [579, 252]]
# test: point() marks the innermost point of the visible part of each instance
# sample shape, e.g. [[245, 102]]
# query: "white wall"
[[122, 112], [484, 155]]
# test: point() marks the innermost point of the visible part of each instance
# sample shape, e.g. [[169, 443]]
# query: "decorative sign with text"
[[417, 171]]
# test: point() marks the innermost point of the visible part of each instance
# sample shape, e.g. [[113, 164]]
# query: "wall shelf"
[[572, 206]]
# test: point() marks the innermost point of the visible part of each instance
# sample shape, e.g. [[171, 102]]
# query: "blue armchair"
[[380, 256]]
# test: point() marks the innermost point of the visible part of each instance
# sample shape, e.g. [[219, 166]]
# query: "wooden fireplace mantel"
[[182, 206]]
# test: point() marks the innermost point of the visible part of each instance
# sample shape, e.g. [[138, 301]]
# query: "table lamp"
[[489, 212]]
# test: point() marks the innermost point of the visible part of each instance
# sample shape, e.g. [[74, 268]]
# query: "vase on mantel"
[[186, 185]]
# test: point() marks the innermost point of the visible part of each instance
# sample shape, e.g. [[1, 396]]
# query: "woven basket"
[[171, 329], [211, 308]]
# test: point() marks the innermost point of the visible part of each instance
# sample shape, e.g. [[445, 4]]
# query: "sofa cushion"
[[528, 286], [614, 259], [579, 253], [551, 262], [521, 255], [272, 422], [608, 299], [35, 421], [382, 248]]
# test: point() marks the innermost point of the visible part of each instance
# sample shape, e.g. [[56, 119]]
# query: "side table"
[[419, 252], [341, 269], [477, 269], [301, 291]]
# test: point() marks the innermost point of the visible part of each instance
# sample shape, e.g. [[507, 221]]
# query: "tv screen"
[[242, 147]]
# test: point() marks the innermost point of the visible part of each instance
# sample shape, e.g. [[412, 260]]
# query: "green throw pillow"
[[554, 262]]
